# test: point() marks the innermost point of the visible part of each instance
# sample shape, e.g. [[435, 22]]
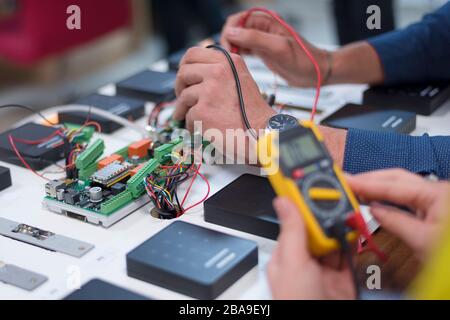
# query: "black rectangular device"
[[129, 108], [149, 85], [245, 205], [422, 98], [97, 289], [37, 155], [372, 118], [192, 260], [5, 178]]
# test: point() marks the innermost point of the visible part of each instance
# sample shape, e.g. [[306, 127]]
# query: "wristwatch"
[[281, 122]]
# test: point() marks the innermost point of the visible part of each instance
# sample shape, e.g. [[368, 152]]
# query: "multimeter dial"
[[324, 207]]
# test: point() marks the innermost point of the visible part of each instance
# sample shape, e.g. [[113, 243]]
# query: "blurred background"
[[42, 63]]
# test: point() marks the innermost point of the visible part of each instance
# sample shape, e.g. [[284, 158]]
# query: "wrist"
[[335, 140]]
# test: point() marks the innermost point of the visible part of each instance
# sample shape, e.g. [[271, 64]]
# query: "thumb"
[[255, 40], [292, 240], [405, 227]]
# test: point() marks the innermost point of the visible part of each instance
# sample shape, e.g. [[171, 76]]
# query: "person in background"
[[175, 17], [294, 274], [206, 90]]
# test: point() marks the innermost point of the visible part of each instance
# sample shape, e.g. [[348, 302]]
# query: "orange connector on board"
[[108, 160], [136, 170], [139, 149]]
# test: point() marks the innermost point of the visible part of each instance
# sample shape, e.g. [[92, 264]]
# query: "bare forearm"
[[335, 140], [356, 63]]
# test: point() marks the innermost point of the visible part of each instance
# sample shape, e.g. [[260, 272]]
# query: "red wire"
[[299, 41], [204, 198], [357, 222], [13, 145], [34, 142], [190, 185]]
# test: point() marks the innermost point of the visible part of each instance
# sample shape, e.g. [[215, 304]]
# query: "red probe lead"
[[299, 41]]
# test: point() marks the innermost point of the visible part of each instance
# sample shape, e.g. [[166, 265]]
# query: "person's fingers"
[[190, 74], [405, 227], [395, 186], [258, 21], [188, 98], [201, 55], [293, 239], [232, 21], [257, 41]]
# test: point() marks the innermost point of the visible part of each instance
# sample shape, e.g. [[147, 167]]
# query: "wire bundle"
[[162, 187]]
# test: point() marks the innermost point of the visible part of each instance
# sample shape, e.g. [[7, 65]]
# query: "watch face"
[[282, 122]]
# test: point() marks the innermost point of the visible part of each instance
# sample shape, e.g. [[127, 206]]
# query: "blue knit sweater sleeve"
[[419, 52], [371, 150]]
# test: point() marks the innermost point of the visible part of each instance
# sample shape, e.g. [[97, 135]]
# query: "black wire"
[[238, 86], [339, 230], [19, 106]]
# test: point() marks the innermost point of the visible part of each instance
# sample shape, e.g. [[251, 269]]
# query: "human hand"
[[206, 92], [427, 200], [294, 274], [267, 39]]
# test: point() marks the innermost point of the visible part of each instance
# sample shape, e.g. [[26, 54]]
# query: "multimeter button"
[[324, 194], [298, 174]]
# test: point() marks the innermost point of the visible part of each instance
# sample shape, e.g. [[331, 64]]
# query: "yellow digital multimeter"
[[300, 168]]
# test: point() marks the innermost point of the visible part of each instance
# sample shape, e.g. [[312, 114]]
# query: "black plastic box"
[[245, 205], [192, 260], [422, 99], [5, 178], [100, 290], [38, 156], [131, 109], [149, 85]]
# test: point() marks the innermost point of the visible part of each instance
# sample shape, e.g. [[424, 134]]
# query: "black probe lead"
[[238, 87]]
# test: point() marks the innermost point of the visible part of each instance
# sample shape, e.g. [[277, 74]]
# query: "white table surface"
[[23, 203]]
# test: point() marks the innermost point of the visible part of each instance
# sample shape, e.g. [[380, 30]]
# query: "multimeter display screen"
[[299, 151]]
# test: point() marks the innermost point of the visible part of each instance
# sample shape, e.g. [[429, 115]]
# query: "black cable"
[[238, 86], [339, 231], [19, 106]]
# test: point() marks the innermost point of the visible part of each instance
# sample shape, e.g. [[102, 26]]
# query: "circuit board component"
[[90, 155], [111, 174]]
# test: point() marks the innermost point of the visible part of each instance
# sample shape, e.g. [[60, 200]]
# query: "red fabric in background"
[[39, 29]]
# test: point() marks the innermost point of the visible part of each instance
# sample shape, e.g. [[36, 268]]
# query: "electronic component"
[[111, 174], [135, 170], [139, 149], [5, 178], [90, 155], [121, 182], [250, 211], [135, 184], [52, 187], [43, 239], [71, 197], [149, 85], [96, 194], [38, 156], [300, 168], [371, 118], [108, 160], [118, 188], [163, 153], [131, 109], [19, 277], [100, 290], [192, 260], [60, 194], [422, 98]]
